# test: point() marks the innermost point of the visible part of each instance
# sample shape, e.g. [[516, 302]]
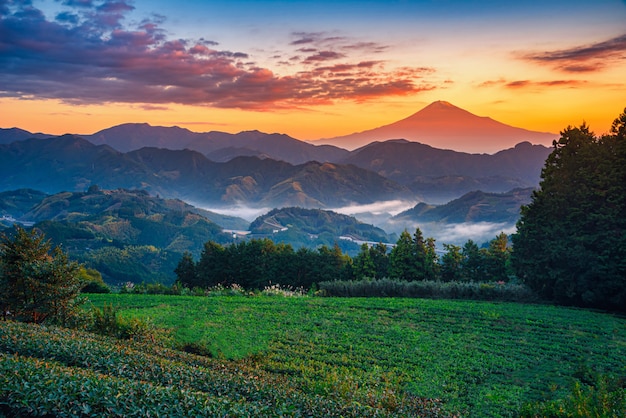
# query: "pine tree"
[[363, 264], [37, 283], [570, 244]]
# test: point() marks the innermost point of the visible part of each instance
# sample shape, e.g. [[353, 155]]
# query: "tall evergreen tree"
[[363, 264], [402, 264], [473, 262], [497, 259], [413, 258], [37, 283], [212, 265], [570, 244], [380, 258], [186, 272], [451, 263]]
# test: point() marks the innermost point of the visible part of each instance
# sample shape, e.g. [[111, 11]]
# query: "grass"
[[478, 358]]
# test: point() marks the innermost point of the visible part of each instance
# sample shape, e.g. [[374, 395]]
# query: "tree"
[[378, 254], [186, 272], [363, 264], [451, 263], [472, 264], [431, 260], [413, 258], [36, 283], [92, 281], [570, 244], [402, 263], [497, 259], [210, 269]]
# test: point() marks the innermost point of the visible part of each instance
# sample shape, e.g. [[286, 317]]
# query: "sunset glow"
[[308, 69]]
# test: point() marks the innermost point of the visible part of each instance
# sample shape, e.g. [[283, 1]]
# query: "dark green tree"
[[570, 244], [363, 265], [211, 268], [380, 258], [497, 259], [473, 262], [186, 272], [402, 262], [37, 283], [413, 258], [431, 260], [451, 263]]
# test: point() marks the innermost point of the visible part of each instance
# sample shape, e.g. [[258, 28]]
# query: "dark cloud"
[[324, 56], [86, 56], [303, 38], [588, 58], [529, 84], [370, 47], [78, 3]]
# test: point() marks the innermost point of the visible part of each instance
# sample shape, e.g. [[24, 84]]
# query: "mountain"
[[15, 134], [134, 136], [438, 175], [128, 236], [70, 163], [443, 125], [314, 227], [15, 203], [476, 206]]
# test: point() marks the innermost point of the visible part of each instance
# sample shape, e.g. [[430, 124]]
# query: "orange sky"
[[305, 71]]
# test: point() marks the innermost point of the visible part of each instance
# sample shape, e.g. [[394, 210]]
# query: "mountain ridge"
[[71, 163], [443, 125], [439, 124]]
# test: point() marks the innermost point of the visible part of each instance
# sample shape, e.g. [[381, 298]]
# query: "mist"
[[380, 214], [247, 213], [454, 233]]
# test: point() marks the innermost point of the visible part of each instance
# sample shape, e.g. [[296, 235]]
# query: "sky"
[[309, 69]]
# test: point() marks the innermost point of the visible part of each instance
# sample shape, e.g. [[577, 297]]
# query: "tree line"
[[255, 264]]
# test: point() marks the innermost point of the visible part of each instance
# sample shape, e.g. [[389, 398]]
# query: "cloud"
[[247, 213], [594, 57], [323, 56], [85, 55], [388, 207], [530, 84]]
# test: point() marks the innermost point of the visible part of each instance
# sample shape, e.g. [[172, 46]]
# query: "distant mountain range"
[[16, 134], [438, 176], [217, 146], [70, 163], [443, 125], [253, 168]]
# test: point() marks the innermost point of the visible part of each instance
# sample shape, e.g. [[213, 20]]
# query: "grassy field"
[[476, 358]]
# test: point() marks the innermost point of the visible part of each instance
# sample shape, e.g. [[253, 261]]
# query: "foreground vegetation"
[[477, 358]]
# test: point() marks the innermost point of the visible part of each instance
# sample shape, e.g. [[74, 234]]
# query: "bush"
[[106, 321], [498, 291], [604, 397]]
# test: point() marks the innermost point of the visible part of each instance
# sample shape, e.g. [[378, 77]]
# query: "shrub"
[[604, 397], [106, 321], [499, 291]]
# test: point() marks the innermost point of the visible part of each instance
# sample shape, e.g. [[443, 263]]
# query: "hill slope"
[[476, 206], [128, 236], [314, 226]]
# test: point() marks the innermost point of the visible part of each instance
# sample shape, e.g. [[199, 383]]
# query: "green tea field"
[[391, 355]]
